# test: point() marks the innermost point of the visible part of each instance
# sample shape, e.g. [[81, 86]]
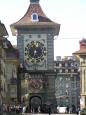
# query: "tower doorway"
[[35, 104]]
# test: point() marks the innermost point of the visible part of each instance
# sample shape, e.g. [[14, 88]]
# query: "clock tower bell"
[[35, 35]]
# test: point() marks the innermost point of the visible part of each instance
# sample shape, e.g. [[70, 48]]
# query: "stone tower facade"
[[35, 35]]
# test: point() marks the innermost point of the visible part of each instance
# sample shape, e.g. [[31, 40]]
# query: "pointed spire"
[[34, 1]]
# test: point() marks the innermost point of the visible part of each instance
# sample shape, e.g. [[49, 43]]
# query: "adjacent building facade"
[[8, 69], [82, 57], [11, 65], [3, 84], [67, 82]]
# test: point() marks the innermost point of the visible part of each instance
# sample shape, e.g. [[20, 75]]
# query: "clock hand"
[[35, 53]]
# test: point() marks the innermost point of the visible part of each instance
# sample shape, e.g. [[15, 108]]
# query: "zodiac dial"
[[35, 85]]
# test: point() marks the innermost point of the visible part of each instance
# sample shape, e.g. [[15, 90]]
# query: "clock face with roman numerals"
[[35, 52]]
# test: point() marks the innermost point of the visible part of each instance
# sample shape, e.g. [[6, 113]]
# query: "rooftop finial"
[[34, 1]]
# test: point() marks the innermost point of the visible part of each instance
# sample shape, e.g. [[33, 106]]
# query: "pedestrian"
[[77, 110], [39, 109], [67, 109], [58, 109], [49, 110]]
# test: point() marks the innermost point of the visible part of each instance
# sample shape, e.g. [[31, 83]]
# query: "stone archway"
[[35, 103]]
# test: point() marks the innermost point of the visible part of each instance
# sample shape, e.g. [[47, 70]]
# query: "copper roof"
[[43, 20]]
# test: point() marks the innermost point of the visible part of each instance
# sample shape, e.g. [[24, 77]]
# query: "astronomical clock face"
[[35, 52], [35, 85]]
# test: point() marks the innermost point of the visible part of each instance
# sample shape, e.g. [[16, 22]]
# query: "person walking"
[[49, 110]]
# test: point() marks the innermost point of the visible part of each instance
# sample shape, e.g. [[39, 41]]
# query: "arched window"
[[34, 17]]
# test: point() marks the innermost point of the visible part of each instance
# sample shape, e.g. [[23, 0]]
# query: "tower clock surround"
[[35, 51]]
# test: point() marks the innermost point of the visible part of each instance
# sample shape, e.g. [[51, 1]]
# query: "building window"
[[72, 70], [30, 36], [67, 101], [60, 65], [67, 85], [69, 70], [66, 78], [75, 70], [72, 65], [69, 64], [39, 36], [63, 65], [75, 65], [60, 78], [26, 40], [34, 17], [63, 70], [57, 64], [57, 70], [66, 64], [60, 71], [66, 71]]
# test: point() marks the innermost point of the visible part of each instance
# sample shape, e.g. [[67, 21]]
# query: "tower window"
[[34, 17]]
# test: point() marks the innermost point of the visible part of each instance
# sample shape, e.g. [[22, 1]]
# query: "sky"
[[71, 14]]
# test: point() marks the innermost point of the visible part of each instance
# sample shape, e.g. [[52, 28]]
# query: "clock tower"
[[35, 42]]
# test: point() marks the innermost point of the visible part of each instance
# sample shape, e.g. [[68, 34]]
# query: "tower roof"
[[34, 1], [27, 22], [82, 50], [3, 31]]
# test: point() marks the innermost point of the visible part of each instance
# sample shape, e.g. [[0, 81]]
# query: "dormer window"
[[34, 17]]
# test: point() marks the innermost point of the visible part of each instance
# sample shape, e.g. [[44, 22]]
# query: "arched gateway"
[[35, 103]]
